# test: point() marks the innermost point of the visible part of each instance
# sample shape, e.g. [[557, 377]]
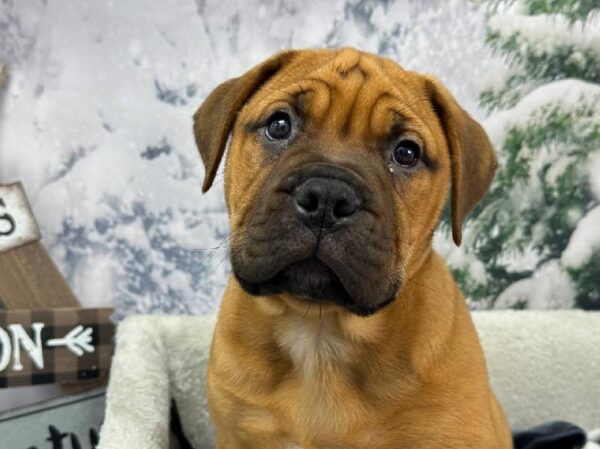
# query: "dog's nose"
[[323, 203]]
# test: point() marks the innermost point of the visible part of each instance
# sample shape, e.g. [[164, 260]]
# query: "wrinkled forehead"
[[347, 92]]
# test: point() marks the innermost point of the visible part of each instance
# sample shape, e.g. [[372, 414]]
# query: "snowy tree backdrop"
[[96, 122], [534, 242]]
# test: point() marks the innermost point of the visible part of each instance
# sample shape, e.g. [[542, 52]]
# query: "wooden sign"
[[54, 346], [29, 279]]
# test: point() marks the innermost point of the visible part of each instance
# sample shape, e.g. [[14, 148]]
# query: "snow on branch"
[[543, 34], [548, 47], [584, 241], [567, 95]]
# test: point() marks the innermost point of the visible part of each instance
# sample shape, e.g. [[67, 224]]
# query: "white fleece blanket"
[[544, 366]]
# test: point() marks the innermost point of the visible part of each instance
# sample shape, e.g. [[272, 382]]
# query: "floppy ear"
[[215, 118], [472, 158]]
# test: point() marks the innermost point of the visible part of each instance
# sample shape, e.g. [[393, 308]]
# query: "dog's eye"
[[279, 126], [406, 153]]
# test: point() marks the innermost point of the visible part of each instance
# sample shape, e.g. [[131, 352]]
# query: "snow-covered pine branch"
[[540, 48], [532, 242]]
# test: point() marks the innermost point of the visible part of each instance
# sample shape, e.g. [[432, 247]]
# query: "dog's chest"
[[313, 344], [318, 403], [318, 399]]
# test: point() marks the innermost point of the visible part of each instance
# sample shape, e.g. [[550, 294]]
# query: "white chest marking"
[[312, 342]]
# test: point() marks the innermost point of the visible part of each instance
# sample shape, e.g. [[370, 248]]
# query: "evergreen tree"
[[535, 239]]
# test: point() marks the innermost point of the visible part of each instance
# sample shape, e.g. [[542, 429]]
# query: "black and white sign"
[[54, 345]]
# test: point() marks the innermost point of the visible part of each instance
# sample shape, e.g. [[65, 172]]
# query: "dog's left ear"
[[215, 118], [472, 158]]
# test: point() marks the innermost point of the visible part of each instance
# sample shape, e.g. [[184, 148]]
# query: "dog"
[[340, 327]]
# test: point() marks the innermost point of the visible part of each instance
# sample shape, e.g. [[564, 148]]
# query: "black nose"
[[323, 203]]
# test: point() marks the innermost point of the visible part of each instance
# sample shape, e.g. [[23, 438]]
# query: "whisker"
[[425, 286], [226, 239], [223, 259], [307, 310], [212, 251]]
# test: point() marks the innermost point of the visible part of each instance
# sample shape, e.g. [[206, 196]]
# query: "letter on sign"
[[33, 347], [17, 224]]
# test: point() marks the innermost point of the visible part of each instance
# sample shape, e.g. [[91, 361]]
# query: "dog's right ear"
[[215, 118]]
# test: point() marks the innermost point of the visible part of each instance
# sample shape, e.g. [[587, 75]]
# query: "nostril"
[[308, 201], [343, 208]]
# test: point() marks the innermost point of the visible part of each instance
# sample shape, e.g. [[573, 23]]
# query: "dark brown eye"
[[279, 126], [407, 153]]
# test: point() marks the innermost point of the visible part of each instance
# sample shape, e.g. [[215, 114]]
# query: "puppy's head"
[[337, 171]]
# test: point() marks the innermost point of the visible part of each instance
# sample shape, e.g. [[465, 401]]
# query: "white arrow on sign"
[[77, 341]]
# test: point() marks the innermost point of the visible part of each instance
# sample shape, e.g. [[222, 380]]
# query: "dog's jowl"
[[340, 327]]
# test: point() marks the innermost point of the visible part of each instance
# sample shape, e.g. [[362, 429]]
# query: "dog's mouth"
[[312, 280], [309, 279]]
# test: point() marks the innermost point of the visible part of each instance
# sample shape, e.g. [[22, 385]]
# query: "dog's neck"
[[317, 341]]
